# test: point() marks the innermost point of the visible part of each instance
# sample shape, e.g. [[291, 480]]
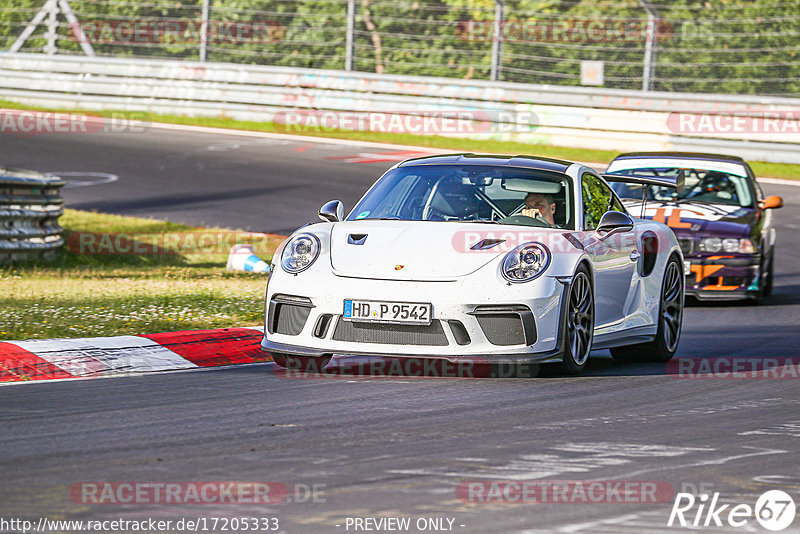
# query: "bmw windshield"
[[479, 193], [710, 186]]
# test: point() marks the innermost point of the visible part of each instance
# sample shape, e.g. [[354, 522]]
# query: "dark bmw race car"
[[722, 220]]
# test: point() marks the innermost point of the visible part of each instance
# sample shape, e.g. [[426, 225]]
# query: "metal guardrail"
[[606, 119], [30, 205]]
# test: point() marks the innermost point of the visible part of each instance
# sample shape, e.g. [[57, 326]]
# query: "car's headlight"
[[526, 262], [711, 244], [729, 244], [300, 253], [746, 246]]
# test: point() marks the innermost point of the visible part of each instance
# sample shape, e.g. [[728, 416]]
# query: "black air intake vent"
[[288, 314], [391, 334], [486, 244], [507, 325], [357, 239]]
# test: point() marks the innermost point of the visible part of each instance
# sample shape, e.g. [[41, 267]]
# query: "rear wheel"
[[670, 319], [291, 362], [579, 327]]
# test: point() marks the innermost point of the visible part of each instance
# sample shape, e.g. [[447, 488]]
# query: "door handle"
[[635, 255]]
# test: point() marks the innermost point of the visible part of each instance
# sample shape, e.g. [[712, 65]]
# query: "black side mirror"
[[613, 222], [332, 211]]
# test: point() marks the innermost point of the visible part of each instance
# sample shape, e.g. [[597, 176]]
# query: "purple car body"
[[722, 220]]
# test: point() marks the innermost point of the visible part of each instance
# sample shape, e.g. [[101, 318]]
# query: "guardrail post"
[[50, 10], [649, 46], [204, 29], [52, 27], [30, 205], [66, 9], [497, 40], [350, 43]]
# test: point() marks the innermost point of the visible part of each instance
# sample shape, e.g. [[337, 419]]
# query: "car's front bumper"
[[722, 277], [551, 356], [538, 305]]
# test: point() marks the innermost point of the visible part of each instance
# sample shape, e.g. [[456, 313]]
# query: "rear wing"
[[676, 183]]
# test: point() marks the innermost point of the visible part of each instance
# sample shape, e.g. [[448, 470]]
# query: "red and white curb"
[[59, 359]]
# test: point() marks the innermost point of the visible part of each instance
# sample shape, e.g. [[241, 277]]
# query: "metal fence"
[[708, 46], [606, 119], [30, 205]]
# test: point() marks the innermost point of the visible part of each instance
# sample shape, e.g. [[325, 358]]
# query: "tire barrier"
[[30, 205]]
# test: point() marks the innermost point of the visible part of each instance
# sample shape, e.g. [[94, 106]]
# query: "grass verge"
[[93, 290], [761, 168]]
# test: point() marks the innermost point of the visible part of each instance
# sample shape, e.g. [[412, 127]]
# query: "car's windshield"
[[481, 193], [701, 185]]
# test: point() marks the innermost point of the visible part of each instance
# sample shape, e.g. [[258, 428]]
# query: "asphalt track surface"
[[394, 447]]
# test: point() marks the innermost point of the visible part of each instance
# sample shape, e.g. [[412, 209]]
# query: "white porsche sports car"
[[512, 259]]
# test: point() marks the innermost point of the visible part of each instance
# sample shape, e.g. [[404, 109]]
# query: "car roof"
[[529, 162], [684, 155]]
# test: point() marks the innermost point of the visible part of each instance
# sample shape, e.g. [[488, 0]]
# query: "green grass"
[[85, 294], [764, 169]]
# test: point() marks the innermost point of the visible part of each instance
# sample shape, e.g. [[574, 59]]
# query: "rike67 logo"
[[774, 510]]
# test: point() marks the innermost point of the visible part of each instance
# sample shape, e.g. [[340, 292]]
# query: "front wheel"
[[670, 320], [579, 328], [767, 274]]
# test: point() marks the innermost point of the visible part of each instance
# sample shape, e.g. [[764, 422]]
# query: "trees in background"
[[714, 46]]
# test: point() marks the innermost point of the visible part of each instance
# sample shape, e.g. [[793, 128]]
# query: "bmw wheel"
[[767, 275]]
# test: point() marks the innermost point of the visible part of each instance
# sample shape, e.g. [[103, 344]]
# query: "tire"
[[579, 322], [768, 276], [670, 319], [300, 363]]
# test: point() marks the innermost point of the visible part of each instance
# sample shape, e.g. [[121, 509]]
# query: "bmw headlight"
[[711, 244], [729, 245], [300, 253], [526, 262]]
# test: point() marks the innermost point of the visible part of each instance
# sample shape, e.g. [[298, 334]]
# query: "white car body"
[[432, 262]]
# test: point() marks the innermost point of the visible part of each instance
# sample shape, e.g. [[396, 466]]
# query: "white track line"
[[366, 144], [298, 138]]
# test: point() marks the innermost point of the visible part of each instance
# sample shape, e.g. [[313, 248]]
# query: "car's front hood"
[[418, 250], [699, 218]]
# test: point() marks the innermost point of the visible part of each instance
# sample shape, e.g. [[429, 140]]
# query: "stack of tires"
[[30, 205]]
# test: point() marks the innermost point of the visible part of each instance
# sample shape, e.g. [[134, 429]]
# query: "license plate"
[[687, 268], [380, 311]]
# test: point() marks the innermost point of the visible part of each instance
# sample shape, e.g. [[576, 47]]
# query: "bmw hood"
[[420, 250], [704, 218]]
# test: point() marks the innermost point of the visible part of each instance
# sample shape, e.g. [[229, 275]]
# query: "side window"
[[597, 199]]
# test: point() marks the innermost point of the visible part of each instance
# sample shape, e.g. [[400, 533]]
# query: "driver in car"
[[541, 203]]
